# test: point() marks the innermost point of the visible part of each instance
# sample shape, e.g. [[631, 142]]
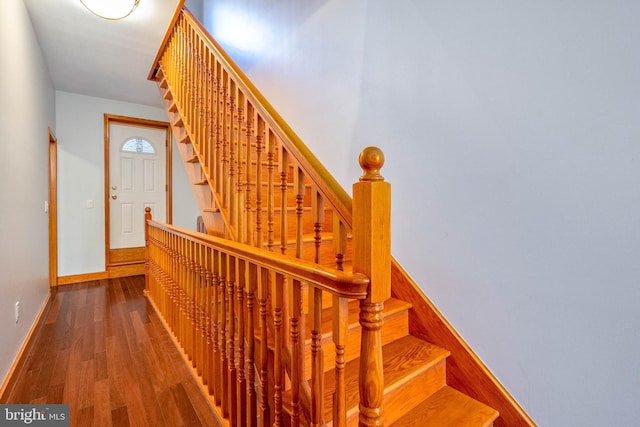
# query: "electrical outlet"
[[17, 311]]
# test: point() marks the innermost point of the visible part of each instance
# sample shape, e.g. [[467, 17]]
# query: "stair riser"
[[395, 326], [421, 385]]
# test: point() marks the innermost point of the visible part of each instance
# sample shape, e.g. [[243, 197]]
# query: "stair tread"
[[391, 307], [403, 358], [449, 408]]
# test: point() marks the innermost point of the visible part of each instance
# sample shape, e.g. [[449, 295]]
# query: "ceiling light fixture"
[[111, 9]]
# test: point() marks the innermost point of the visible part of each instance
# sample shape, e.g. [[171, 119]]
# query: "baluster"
[[231, 354], [243, 272], [217, 353], [192, 290], [339, 240], [372, 257], [270, 189], [193, 110], [248, 221], [251, 412], [240, 220], [317, 208], [284, 172], [317, 357], [201, 307], [234, 154], [259, 149], [300, 187], [224, 180], [219, 129], [263, 286], [147, 218], [278, 350], [295, 330], [202, 105], [209, 319], [224, 367], [210, 115], [340, 330]]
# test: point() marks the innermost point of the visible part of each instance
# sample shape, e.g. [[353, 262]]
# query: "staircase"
[[258, 186]]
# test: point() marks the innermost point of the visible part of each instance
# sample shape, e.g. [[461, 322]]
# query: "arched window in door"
[[138, 145]]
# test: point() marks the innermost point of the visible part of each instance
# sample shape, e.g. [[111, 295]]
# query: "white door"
[[137, 179]]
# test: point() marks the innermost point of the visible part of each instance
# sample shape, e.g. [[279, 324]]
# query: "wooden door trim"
[[53, 208], [133, 121]]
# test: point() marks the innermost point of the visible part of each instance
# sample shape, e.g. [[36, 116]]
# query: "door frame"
[[53, 208], [132, 121]]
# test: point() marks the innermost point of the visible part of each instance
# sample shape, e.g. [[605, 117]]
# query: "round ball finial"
[[371, 160], [147, 209]]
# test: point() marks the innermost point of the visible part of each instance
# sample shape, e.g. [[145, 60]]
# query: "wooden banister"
[[205, 289]]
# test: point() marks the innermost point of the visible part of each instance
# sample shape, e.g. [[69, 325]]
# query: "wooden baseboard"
[[22, 356], [126, 270], [111, 273], [79, 278]]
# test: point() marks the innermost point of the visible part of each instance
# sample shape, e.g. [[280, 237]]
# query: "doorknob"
[[114, 196], [114, 187]]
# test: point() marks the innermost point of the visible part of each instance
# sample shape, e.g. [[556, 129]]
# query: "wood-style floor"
[[103, 350]]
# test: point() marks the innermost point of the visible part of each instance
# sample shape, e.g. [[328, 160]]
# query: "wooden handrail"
[[335, 282]]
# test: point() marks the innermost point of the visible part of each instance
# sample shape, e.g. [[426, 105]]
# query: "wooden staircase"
[[256, 185]]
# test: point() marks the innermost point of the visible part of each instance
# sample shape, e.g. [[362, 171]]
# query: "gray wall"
[[511, 134], [28, 109]]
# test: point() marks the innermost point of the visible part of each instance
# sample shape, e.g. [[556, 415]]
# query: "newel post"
[[147, 218], [372, 257]]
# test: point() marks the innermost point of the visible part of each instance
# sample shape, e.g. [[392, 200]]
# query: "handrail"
[[335, 282]]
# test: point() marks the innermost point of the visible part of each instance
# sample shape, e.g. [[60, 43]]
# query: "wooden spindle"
[[232, 266], [248, 179], [372, 257], [317, 358], [339, 334], [299, 183], [241, 316], [263, 286], [284, 180], [295, 331], [271, 156], [317, 211], [147, 218], [251, 408], [215, 302], [224, 363], [259, 192], [278, 349]]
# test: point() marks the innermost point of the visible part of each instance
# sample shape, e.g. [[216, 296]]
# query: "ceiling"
[[93, 56]]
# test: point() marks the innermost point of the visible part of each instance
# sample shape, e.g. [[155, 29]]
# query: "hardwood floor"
[[103, 350]]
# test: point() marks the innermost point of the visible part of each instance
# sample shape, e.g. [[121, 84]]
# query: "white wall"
[[28, 108], [80, 127], [511, 131]]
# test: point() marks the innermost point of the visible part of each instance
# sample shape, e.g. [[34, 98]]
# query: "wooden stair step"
[[396, 326], [413, 371], [449, 408]]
